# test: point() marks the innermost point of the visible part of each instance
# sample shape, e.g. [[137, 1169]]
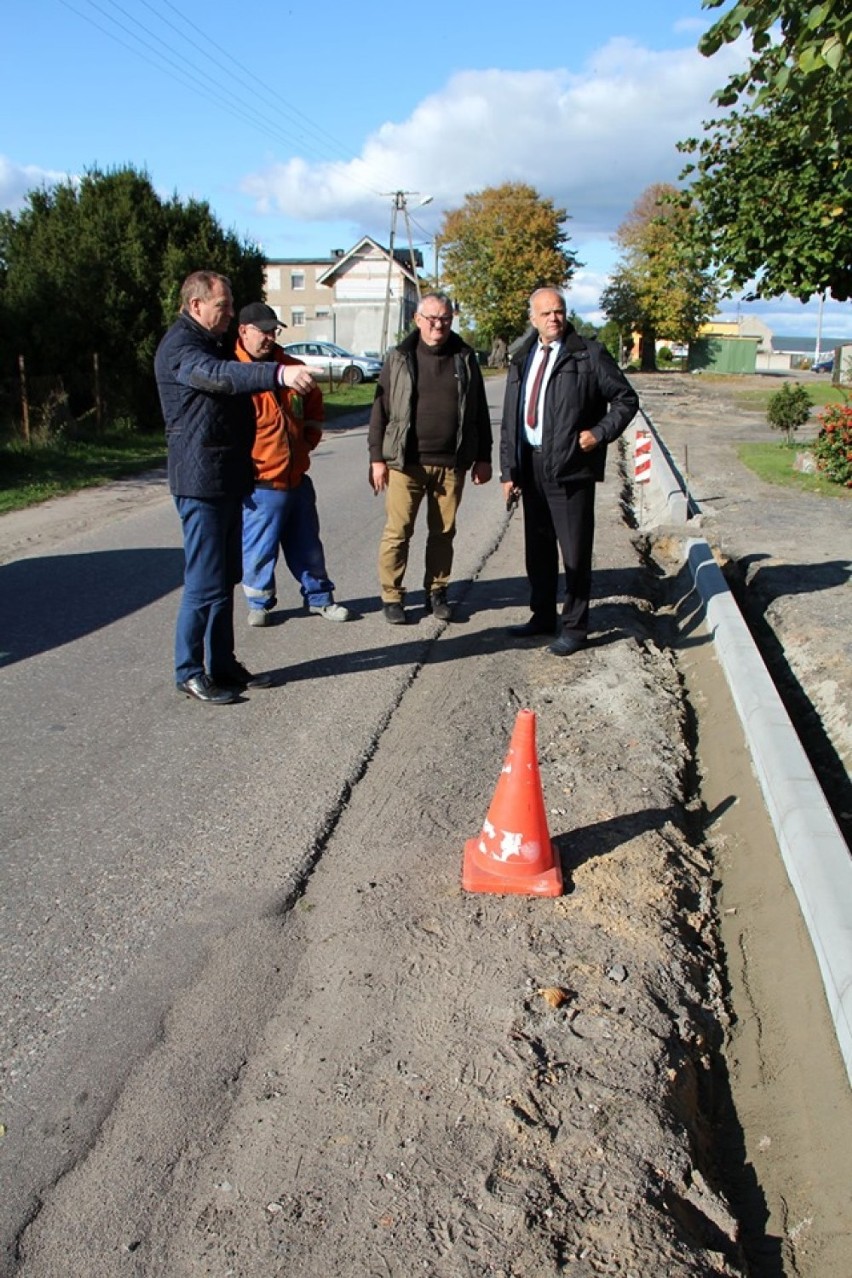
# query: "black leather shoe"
[[439, 605], [566, 646], [532, 627], [394, 614], [203, 688], [240, 680]]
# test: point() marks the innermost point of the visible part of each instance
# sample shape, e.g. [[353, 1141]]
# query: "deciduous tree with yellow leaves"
[[501, 244]]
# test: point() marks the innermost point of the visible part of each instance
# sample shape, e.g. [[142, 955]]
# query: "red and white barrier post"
[[642, 466], [642, 457]]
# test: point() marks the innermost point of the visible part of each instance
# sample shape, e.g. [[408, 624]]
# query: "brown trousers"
[[442, 487]]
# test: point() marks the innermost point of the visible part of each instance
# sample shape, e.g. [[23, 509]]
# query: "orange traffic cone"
[[514, 853]]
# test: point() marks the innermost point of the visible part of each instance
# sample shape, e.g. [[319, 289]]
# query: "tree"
[[621, 306], [788, 409], [581, 326], [612, 337], [661, 286], [503, 243], [772, 180], [773, 207], [810, 61], [94, 268]]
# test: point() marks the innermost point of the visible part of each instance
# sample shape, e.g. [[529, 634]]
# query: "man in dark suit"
[[566, 399]]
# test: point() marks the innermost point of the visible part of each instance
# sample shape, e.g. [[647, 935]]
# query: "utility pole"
[[398, 202], [400, 205], [411, 248]]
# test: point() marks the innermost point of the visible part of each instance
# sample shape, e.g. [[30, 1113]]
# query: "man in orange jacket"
[[281, 513]]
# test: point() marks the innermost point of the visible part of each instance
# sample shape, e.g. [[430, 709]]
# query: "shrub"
[[788, 409], [833, 448]]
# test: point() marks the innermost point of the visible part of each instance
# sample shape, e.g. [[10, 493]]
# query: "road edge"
[[815, 854]]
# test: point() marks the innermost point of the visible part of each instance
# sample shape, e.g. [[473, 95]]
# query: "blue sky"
[[297, 123]]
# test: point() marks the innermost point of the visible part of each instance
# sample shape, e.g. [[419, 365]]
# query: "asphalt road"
[[138, 827], [154, 847]]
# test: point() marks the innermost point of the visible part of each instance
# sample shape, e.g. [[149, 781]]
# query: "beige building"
[[344, 297], [299, 300], [743, 326]]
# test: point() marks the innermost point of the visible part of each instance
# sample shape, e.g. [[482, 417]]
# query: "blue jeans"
[[287, 519], [212, 542]]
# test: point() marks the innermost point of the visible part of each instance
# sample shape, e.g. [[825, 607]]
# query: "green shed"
[[723, 355]]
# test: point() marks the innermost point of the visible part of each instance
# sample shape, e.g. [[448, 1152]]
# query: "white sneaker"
[[258, 617], [332, 612]]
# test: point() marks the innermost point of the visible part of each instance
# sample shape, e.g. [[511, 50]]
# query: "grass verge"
[[755, 400], [347, 398], [773, 463], [35, 473]]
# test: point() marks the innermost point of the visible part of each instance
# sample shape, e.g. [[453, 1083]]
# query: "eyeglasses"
[[437, 320]]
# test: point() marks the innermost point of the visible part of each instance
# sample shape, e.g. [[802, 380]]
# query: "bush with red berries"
[[833, 448]]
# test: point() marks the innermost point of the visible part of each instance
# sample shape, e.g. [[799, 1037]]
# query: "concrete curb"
[[814, 851], [667, 482]]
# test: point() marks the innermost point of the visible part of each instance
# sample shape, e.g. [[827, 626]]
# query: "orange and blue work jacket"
[[284, 437]]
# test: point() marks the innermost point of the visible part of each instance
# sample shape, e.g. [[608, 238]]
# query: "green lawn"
[[32, 474], [347, 398], [774, 464], [29, 475], [821, 393]]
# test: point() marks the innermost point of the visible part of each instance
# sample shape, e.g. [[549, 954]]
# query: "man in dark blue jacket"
[[566, 399], [207, 407]]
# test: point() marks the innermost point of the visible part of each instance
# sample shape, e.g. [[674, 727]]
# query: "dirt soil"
[[460, 1085], [787, 555]]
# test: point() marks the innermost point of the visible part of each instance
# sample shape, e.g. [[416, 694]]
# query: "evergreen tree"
[[95, 268]]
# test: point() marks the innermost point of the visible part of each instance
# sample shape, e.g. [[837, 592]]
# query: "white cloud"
[[692, 26], [592, 141], [584, 293], [17, 179]]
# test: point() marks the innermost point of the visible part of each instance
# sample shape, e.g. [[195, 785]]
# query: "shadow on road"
[[614, 615], [51, 601]]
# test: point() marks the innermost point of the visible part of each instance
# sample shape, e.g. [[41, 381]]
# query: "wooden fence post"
[[25, 403], [99, 408]]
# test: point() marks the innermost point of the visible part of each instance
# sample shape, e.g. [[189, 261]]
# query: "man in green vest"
[[429, 427]]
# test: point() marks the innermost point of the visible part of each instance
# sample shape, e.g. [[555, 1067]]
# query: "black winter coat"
[[586, 391]]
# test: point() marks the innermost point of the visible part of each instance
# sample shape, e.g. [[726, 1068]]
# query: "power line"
[[190, 75], [189, 80], [252, 81]]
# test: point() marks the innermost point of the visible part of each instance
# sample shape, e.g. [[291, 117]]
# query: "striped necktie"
[[532, 406]]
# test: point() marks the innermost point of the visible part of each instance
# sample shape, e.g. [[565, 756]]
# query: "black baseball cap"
[[262, 316]]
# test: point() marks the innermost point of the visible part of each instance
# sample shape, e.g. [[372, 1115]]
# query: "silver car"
[[326, 360]]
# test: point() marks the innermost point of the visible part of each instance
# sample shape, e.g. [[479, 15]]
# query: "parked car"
[[325, 360], [825, 364]]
